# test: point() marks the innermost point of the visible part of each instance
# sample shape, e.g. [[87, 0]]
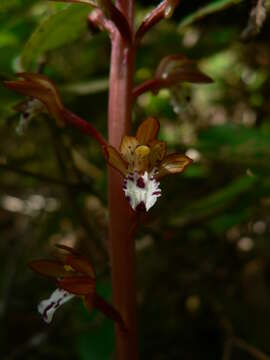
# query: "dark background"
[[203, 253]]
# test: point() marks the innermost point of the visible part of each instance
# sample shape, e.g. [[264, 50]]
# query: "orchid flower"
[[44, 97], [75, 276], [37, 86], [142, 161]]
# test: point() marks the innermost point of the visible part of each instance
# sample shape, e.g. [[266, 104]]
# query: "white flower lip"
[[48, 307], [141, 190]]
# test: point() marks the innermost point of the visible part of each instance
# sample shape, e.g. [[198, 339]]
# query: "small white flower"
[[141, 190], [48, 307]]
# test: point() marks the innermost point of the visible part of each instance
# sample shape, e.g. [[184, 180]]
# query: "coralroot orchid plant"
[[136, 163]]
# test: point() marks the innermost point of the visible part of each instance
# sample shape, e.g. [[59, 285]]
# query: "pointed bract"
[[178, 68]]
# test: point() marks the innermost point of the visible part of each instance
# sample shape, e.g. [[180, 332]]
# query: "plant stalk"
[[122, 218]]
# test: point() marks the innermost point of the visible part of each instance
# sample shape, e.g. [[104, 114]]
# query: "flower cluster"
[[143, 161], [75, 276]]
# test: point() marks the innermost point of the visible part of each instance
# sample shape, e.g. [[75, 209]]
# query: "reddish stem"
[[108, 310], [122, 218], [149, 85], [97, 20], [155, 16], [121, 22], [84, 126]]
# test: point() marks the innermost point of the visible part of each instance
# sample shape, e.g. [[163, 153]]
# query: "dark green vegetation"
[[203, 254]]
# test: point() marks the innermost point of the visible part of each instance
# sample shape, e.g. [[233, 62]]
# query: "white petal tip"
[[48, 307]]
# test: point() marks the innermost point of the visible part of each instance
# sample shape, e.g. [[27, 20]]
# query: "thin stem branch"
[[119, 19], [227, 350], [108, 310], [162, 11], [252, 350], [84, 126], [149, 85], [97, 19]]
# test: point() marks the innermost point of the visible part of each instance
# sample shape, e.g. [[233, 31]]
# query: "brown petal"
[[39, 87], [158, 152], [114, 159], [148, 131], [81, 264], [51, 268], [128, 147], [67, 248], [173, 164], [175, 69], [78, 285]]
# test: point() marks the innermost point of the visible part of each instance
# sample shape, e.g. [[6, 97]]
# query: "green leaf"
[[8, 4], [217, 201], [98, 343], [57, 30], [86, 88], [236, 144], [7, 39], [212, 7], [226, 221]]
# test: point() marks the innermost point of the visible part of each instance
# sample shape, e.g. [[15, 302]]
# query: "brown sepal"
[[50, 268], [78, 285]]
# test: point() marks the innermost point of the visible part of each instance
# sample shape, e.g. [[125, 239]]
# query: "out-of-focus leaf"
[[256, 20], [85, 88], [196, 171], [55, 31], [214, 6], [7, 39], [216, 201], [8, 4], [98, 344], [236, 145], [226, 221], [85, 166]]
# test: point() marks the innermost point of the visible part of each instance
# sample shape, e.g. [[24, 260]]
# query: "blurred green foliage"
[[203, 252]]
